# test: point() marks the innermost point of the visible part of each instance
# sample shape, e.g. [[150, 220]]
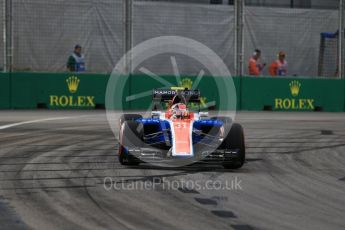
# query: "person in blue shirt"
[[76, 62]]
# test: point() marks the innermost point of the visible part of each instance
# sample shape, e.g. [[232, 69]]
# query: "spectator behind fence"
[[76, 62], [255, 67], [279, 67]]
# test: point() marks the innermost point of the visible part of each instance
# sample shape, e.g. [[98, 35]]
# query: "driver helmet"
[[179, 110]]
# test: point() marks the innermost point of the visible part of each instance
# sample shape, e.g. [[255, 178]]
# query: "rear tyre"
[[131, 134], [235, 141]]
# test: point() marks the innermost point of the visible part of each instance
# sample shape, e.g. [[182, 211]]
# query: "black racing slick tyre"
[[129, 117], [235, 141], [130, 136]]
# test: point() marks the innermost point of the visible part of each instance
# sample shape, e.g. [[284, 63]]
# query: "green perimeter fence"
[[87, 91]]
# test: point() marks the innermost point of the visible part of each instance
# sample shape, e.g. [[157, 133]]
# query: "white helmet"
[[179, 110]]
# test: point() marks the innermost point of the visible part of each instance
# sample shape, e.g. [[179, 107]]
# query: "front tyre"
[[235, 141], [124, 158], [130, 136]]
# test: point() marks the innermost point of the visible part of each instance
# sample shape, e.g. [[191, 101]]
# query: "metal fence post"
[[128, 35], [341, 40], [236, 38], [241, 55], [4, 38], [239, 37], [8, 38], [239, 45]]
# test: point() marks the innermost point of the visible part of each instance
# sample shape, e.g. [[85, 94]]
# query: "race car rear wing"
[[169, 94]]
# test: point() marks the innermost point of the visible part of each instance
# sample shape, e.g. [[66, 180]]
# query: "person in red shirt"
[[255, 67], [279, 67]]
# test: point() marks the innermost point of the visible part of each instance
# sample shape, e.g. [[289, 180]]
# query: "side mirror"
[[203, 115], [156, 114]]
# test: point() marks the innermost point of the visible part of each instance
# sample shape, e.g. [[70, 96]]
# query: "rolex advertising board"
[[294, 101], [292, 94], [71, 99], [87, 91], [58, 91]]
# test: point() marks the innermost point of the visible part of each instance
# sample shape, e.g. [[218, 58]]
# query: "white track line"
[[36, 121]]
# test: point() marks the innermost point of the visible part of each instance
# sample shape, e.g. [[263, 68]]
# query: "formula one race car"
[[179, 136]]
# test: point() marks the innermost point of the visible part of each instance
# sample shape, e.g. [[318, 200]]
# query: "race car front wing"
[[157, 155]]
